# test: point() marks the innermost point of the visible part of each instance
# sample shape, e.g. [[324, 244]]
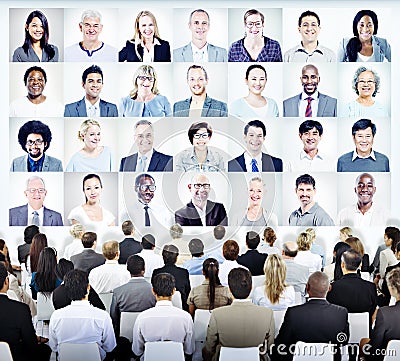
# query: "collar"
[[195, 48], [80, 303], [300, 49], [164, 303], [246, 300], [111, 261], [304, 155], [155, 42], [310, 211], [367, 212], [38, 163], [148, 154], [355, 155], [317, 299], [304, 96], [89, 104]]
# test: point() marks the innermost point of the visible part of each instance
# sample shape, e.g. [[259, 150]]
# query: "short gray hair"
[[360, 70], [91, 14], [33, 178]]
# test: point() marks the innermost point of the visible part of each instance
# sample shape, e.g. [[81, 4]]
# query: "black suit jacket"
[[182, 282], [162, 52], [215, 215], [23, 251], [87, 260], [60, 298], [269, 164], [159, 162], [384, 287], [254, 261], [128, 247]]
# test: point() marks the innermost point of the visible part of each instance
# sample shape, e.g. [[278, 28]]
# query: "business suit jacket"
[[18, 216], [23, 252], [254, 261], [327, 106], [50, 164], [215, 215], [159, 162], [162, 52], [215, 54], [78, 109], [182, 282], [314, 321], [87, 260], [211, 108], [269, 164], [128, 247]]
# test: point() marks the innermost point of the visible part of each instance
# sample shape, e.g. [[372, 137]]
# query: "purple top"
[[271, 52]]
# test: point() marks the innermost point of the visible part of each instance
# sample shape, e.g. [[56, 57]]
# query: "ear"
[[190, 187], [330, 287], [173, 291]]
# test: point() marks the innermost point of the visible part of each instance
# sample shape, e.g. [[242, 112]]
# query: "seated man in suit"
[[199, 104], [34, 212], [91, 105], [34, 138], [199, 50], [147, 159], [310, 102], [253, 159], [253, 259], [200, 211], [129, 245]]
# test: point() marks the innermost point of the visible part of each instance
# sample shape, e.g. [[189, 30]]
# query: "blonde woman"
[[304, 256], [316, 248], [76, 231], [93, 156], [275, 293], [146, 45]]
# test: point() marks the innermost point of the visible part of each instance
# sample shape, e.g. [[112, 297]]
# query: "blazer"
[[381, 50], [50, 164], [254, 261], [162, 52], [211, 108], [159, 163], [327, 106], [78, 109], [128, 247], [215, 53], [269, 164], [215, 215], [18, 216], [87, 260]]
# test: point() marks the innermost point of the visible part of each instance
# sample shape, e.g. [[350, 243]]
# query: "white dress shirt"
[[310, 260], [151, 261], [108, 276], [200, 55], [92, 110], [352, 216], [73, 248], [248, 158], [304, 163], [225, 268], [303, 104]]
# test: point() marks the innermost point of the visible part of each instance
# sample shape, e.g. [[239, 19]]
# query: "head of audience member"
[[318, 285], [256, 192], [197, 80], [365, 189], [345, 233], [92, 83], [230, 250], [176, 231], [4, 255], [35, 192], [163, 286], [363, 132], [77, 230], [392, 237], [393, 282], [219, 232], [170, 254], [127, 228], [199, 188], [148, 241], [289, 250], [275, 276], [63, 267], [311, 233], [338, 251], [144, 81], [253, 24], [45, 277], [199, 134], [305, 191], [366, 82], [351, 261], [135, 265], [146, 29], [4, 283], [304, 242], [144, 136], [269, 236], [240, 283], [34, 137], [310, 133], [309, 27], [90, 134], [254, 137], [256, 79], [110, 250], [210, 272], [397, 254], [35, 80], [39, 242], [90, 26], [310, 79], [76, 284], [199, 25], [196, 247], [252, 240], [89, 240], [145, 186], [29, 232]]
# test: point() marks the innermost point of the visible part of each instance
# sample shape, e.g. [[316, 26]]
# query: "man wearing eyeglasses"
[[91, 48], [34, 138], [200, 211], [34, 212]]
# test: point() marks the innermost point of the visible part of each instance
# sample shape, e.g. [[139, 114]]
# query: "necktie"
[[308, 109], [92, 111], [35, 218], [146, 216], [142, 163], [35, 167], [254, 167]]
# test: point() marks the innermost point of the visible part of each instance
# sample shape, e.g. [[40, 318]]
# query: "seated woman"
[[366, 83], [144, 100], [275, 294], [210, 294], [365, 45], [387, 257], [36, 47], [201, 157], [146, 45], [254, 104], [268, 245], [304, 256], [93, 156], [92, 213]]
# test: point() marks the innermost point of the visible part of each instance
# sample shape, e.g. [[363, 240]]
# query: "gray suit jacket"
[[50, 164], [215, 54], [87, 260], [159, 162], [211, 108], [18, 216], [327, 106], [78, 109]]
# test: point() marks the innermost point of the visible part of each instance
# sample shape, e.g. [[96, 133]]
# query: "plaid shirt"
[[269, 53]]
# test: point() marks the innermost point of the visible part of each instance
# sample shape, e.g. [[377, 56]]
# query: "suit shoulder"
[[291, 99]]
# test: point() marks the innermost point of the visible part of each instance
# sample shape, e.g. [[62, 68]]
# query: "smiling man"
[[199, 50], [365, 212], [363, 158], [310, 213], [91, 105], [310, 102], [309, 49]]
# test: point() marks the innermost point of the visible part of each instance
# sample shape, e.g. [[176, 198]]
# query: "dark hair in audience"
[[393, 280], [354, 46], [93, 69], [148, 241], [76, 284], [340, 247], [87, 177], [195, 127], [45, 277], [310, 124], [308, 13], [290, 252], [255, 66], [351, 259], [252, 239], [305, 179], [196, 247], [170, 254], [34, 127], [256, 124], [39, 242], [363, 124], [34, 68], [135, 265], [29, 232], [63, 267], [394, 234], [356, 244], [240, 282], [163, 284], [210, 271], [230, 250], [44, 41], [88, 239], [219, 232], [127, 227], [318, 284], [3, 274], [269, 236]]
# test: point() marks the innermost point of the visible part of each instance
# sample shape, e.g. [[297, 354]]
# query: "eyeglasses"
[[201, 135], [145, 187], [204, 185], [144, 77], [369, 82], [34, 190], [89, 26], [257, 24], [29, 143]]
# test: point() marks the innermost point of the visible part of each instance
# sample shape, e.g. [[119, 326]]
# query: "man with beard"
[[310, 102], [365, 212], [34, 138], [199, 104], [310, 213]]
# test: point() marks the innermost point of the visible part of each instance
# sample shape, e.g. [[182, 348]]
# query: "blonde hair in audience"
[[77, 230], [85, 126], [346, 231], [311, 233], [110, 249], [275, 275], [303, 241], [356, 244]]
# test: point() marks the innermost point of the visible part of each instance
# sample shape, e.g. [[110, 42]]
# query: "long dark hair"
[[39, 242], [45, 277], [45, 38], [210, 271]]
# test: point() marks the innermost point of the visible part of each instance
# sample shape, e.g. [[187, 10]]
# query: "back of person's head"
[[77, 230], [318, 285], [346, 232], [3, 275], [63, 267], [210, 272], [303, 241], [148, 241], [29, 232], [290, 249], [351, 259], [275, 276], [230, 250], [88, 239], [176, 231], [76, 284], [110, 249], [393, 282], [219, 232], [311, 234], [163, 284], [356, 244], [196, 247], [45, 277], [127, 228], [393, 233], [240, 283], [170, 254], [39, 242], [269, 236], [252, 239], [135, 265]]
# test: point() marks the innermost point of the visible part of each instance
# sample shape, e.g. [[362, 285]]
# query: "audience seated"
[[77, 230], [23, 249], [230, 251], [151, 259], [304, 255], [88, 258], [176, 233], [195, 264], [384, 298], [269, 239], [253, 259], [129, 245]]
